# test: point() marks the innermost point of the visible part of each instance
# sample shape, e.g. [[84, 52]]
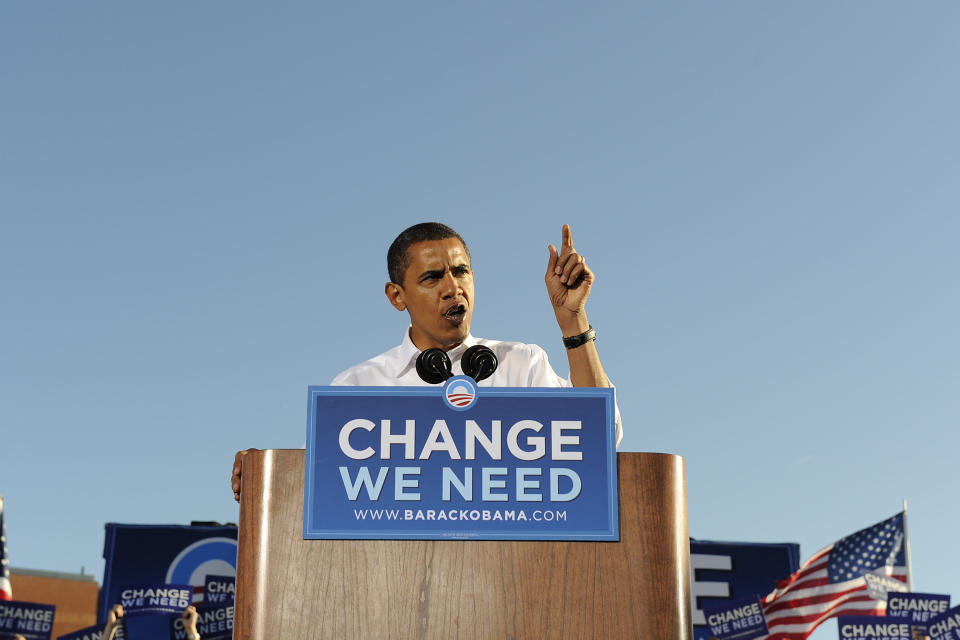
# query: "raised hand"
[[115, 614], [568, 278], [190, 616], [114, 617]]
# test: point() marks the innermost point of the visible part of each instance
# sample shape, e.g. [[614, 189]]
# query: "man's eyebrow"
[[438, 273], [432, 273]]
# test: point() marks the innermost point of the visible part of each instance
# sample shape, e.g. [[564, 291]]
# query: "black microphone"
[[479, 362], [433, 366]]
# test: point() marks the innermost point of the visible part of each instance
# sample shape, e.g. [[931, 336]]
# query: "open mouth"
[[456, 314]]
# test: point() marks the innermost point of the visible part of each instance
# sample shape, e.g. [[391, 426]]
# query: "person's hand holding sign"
[[190, 622], [114, 618]]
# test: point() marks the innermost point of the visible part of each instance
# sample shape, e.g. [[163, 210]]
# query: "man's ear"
[[395, 295]]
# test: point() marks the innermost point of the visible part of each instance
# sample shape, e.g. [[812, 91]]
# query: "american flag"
[[6, 593], [831, 583]]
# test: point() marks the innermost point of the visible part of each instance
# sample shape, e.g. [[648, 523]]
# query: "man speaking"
[[431, 278]]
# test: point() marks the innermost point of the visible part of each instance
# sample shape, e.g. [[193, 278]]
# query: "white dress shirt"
[[520, 365]]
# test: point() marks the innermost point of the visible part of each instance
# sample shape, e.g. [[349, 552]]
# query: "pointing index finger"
[[567, 237]]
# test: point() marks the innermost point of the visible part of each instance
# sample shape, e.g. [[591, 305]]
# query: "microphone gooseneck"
[[479, 362], [433, 366]]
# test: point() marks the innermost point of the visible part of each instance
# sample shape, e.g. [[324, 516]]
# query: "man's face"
[[437, 292]]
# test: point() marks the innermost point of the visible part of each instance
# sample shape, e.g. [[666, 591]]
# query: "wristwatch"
[[575, 341]]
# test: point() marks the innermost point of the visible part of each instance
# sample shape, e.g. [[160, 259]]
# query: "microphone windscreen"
[[479, 362], [433, 366]]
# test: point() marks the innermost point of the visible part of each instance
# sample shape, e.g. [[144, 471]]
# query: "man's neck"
[[449, 347]]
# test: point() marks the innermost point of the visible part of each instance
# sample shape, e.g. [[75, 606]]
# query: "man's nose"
[[451, 286]]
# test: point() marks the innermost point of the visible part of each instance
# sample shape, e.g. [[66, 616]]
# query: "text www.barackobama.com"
[[476, 515]]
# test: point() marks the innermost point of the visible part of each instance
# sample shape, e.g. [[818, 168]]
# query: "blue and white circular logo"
[[460, 393], [210, 556]]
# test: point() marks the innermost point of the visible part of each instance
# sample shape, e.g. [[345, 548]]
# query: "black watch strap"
[[576, 341]]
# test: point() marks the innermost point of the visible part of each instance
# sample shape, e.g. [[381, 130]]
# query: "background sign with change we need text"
[[737, 620], [32, 620], [872, 628], [917, 608], [458, 461]]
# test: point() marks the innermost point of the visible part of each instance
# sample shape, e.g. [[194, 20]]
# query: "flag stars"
[[865, 551]]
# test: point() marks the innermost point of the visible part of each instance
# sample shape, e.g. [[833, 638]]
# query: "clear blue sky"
[[196, 198]]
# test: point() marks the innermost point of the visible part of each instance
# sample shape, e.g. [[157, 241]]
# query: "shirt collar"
[[407, 355]]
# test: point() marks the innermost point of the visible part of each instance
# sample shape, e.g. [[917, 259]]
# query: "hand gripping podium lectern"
[[296, 589]]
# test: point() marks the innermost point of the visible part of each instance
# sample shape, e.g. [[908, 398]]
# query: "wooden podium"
[[298, 589]]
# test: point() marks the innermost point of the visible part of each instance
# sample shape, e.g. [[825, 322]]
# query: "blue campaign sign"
[[156, 553], [880, 585], [31, 620], [219, 590], [724, 571], [459, 461], [740, 619], [945, 626], [917, 608], [213, 623], [155, 599], [89, 633], [93, 633], [873, 628]]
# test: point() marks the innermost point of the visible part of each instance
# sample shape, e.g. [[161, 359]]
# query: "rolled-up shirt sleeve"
[[541, 374]]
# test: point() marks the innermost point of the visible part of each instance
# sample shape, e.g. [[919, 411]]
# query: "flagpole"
[[906, 541]]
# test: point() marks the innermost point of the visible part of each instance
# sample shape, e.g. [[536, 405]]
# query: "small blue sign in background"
[[219, 589], [155, 599], [873, 628], [917, 608], [32, 620], [945, 626], [214, 622], [722, 571], [740, 619], [398, 491], [140, 554]]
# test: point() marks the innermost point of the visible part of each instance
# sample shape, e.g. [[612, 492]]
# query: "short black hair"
[[397, 257]]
